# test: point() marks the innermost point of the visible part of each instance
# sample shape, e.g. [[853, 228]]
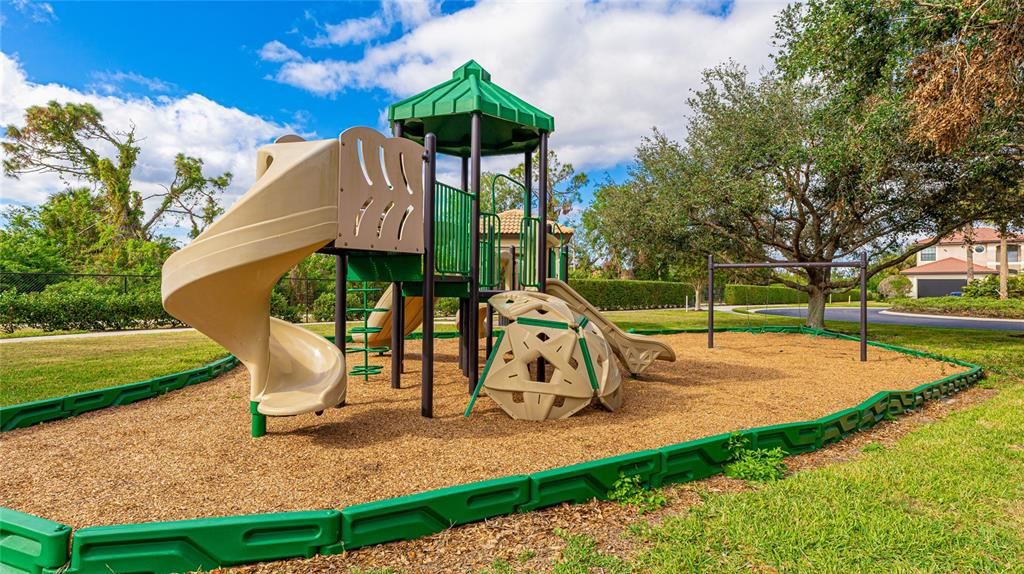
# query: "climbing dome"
[[578, 359]]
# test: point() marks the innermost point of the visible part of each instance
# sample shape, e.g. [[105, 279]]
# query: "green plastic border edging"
[[30, 544], [210, 542], [27, 414]]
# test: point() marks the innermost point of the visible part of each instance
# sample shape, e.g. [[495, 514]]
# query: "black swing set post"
[[861, 265]]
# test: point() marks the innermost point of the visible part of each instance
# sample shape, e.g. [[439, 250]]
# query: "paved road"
[[875, 315]]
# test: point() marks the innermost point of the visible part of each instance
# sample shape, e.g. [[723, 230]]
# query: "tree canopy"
[[105, 226]]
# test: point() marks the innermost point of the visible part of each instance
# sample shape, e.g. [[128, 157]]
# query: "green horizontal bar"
[[542, 323]]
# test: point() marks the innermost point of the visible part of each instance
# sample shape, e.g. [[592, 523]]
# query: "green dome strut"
[[510, 125]]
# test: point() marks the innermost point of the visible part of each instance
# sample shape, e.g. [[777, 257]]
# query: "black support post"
[[711, 301], [542, 240], [430, 177], [864, 306], [542, 209], [474, 257], [340, 296], [397, 334]]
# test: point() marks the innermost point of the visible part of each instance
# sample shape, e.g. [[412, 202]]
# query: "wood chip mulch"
[[188, 454]]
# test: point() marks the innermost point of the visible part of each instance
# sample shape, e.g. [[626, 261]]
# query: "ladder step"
[[362, 370], [369, 309], [365, 289], [366, 329]]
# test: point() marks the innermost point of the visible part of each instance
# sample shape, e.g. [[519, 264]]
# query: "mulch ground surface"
[[188, 454]]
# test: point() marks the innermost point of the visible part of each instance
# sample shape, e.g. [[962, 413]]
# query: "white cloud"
[[275, 51], [607, 72], [405, 13], [36, 11], [352, 31], [111, 82], [224, 137]]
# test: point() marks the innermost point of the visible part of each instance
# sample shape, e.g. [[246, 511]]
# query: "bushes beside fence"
[[84, 309], [736, 294], [963, 306], [612, 294]]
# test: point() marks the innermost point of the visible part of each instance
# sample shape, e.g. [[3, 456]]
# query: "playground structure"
[[374, 203]]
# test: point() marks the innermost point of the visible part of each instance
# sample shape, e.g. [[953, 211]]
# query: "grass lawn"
[[946, 498], [33, 370]]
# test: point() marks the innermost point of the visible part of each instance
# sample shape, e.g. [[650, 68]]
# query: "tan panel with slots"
[[380, 205]]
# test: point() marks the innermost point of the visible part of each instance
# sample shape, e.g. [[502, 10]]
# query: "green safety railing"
[[453, 214], [527, 252], [490, 238]]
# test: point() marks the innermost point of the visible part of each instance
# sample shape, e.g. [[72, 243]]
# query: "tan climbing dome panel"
[[380, 206], [637, 352], [545, 326]]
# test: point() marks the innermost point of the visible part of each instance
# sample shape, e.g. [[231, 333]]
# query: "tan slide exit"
[[221, 282], [413, 318], [637, 352]]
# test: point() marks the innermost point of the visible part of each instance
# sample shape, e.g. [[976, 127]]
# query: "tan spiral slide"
[[637, 352], [221, 282]]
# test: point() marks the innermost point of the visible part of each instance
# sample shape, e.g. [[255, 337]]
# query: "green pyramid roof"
[[509, 125]]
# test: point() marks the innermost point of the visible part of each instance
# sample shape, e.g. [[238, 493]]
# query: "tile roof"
[[947, 266], [511, 219], [981, 235]]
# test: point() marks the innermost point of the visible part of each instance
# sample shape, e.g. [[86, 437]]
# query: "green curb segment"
[[27, 414], [33, 545], [413, 516], [28, 544], [203, 544]]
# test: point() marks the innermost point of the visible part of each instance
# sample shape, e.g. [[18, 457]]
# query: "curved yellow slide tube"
[[221, 282]]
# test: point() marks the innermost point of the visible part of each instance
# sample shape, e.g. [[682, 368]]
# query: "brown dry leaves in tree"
[[976, 72]]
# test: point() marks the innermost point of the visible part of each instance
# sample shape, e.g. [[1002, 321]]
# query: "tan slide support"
[[221, 282], [413, 319], [637, 352]]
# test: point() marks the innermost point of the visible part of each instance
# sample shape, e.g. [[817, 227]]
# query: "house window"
[[928, 254], [1012, 254], [979, 248]]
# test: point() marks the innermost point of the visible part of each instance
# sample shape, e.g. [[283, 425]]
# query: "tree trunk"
[[698, 288], [969, 249], [1004, 267], [816, 308], [817, 296]]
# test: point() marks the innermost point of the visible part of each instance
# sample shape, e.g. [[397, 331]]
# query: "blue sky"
[[219, 79]]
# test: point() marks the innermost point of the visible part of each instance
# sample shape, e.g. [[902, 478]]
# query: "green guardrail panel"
[[458, 289], [584, 481], [692, 460], [836, 426], [385, 267], [416, 515], [791, 437], [874, 410], [203, 544], [29, 543], [28, 414], [902, 401]]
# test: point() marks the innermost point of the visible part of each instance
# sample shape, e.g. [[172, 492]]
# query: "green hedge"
[[762, 295], [963, 306], [613, 294], [736, 294], [66, 309], [989, 287]]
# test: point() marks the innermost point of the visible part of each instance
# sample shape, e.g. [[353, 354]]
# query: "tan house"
[[942, 268]]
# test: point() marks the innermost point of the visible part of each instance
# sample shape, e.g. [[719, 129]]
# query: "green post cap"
[[509, 124]]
